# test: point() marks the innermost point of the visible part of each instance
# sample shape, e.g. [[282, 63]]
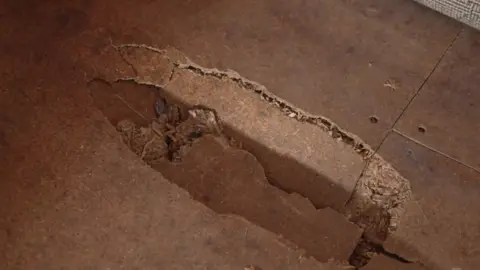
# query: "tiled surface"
[[448, 107], [443, 221], [335, 66]]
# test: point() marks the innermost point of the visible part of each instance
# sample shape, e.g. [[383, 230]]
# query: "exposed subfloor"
[[401, 77]]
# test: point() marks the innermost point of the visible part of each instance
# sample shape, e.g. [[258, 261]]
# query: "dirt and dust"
[[171, 134]]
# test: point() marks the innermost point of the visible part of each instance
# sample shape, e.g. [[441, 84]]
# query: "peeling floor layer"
[[381, 188], [380, 183]]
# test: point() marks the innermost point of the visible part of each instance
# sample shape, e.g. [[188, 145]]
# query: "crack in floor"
[[286, 108], [367, 250]]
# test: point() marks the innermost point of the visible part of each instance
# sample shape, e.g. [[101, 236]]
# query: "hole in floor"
[[191, 148], [422, 129], [373, 119]]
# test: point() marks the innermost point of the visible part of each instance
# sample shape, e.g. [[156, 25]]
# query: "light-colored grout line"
[[131, 108], [435, 150]]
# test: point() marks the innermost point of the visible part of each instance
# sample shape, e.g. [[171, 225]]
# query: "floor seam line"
[[418, 90], [389, 131], [435, 150], [426, 79]]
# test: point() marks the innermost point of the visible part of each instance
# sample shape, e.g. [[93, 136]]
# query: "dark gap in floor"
[[367, 249]]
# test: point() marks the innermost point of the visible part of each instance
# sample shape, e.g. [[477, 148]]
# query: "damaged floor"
[[107, 164]]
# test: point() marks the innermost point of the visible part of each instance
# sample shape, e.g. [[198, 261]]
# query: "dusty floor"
[[400, 76]]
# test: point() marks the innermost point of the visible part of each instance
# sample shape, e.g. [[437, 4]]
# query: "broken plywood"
[[300, 152]]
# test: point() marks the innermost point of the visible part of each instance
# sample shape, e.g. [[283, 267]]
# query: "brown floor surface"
[[73, 196], [347, 60], [444, 115]]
